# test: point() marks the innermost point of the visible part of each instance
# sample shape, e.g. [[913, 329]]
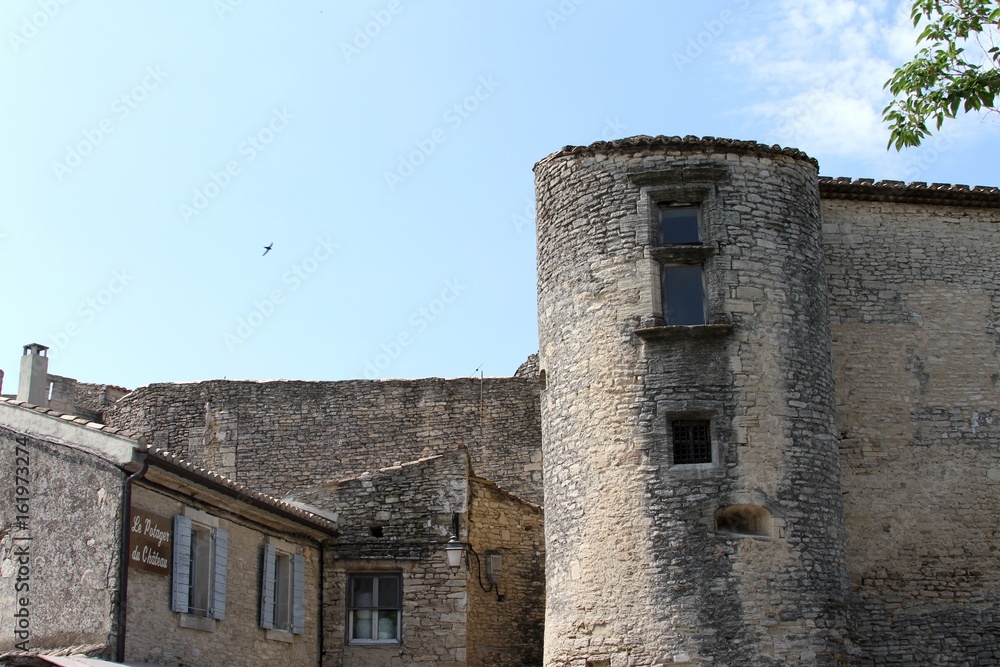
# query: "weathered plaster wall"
[[281, 436], [915, 306], [636, 572], [71, 534], [154, 632], [411, 506], [505, 632]]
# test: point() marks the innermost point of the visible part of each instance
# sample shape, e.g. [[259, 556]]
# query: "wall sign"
[[150, 542]]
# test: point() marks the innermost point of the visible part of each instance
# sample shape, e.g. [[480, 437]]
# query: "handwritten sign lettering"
[[150, 542]]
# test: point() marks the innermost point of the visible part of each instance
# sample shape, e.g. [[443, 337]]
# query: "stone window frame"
[[374, 607], [713, 416], [691, 186], [690, 424]]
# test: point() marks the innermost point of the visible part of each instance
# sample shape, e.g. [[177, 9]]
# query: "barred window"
[[692, 441]]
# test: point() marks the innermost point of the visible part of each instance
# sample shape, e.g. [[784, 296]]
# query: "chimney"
[[33, 385]]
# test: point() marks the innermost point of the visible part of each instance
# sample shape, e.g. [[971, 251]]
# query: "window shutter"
[[182, 564], [219, 573], [298, 594], [267, 588]]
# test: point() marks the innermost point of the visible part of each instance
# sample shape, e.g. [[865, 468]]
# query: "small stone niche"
[[752, 520]]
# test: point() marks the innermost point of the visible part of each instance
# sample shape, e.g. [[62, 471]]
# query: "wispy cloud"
[[820, 69]]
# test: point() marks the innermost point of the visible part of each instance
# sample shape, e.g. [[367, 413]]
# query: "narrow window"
[[200, 565], [692, 441], [200, 592], [679, 224], [283, 591], [683, 289], [282, 599], [374, 608]]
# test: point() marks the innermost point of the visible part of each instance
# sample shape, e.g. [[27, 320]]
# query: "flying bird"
[[267, 248]]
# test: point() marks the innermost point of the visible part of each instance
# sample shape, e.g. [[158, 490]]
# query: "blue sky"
[[151, 150]]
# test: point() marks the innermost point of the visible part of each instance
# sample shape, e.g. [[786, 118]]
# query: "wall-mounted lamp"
[[454, 550]]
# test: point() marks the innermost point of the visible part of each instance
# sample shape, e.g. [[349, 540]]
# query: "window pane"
[[361, 592], [388, 592], [283, 592], [361, 625], [679, 225], [201, 570], [388, 624], [683, 294]]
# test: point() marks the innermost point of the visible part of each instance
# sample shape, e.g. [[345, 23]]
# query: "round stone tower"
[[692, 483]]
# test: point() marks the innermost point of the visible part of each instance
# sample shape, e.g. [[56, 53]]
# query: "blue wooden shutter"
[[267, 588], [182, 564], [219, 574], [298, 594]]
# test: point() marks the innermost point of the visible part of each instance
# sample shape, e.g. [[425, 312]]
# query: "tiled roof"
[[171, 460], [916, 192]]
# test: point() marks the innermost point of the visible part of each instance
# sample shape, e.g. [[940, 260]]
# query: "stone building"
[[350, 570], [765, 407]]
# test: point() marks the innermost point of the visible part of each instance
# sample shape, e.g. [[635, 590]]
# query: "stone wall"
[[915, 306], [637, 571], [398, 520], [59, 558], [155, 633], [506, 623], [281, 436]]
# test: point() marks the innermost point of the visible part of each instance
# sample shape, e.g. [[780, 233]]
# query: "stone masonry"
[[638, 572], [282, 436], [914, 309], [846, 375]]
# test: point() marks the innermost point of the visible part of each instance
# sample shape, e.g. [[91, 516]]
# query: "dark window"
[[679, 224], [283, 591], [692, 441], [374, 607], [202, 558], [683, 289]]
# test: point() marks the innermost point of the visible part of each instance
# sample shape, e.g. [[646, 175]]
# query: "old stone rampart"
[[914, 308], [281, 436]]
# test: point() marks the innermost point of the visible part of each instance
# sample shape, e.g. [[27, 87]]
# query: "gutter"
[[124, 555]]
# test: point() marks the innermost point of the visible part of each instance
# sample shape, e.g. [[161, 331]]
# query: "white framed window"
[[374, 607], [201, 553], [282, 591]]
